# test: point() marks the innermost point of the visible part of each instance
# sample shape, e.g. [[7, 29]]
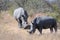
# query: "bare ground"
[[9, 30]]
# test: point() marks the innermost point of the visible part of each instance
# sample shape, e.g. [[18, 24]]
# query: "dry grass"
[[9, 31]]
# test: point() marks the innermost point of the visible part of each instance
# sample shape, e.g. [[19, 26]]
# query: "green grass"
[[55, 15], [11, 10]]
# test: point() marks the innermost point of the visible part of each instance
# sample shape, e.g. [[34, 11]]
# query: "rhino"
[[21, 16], [43, 22]]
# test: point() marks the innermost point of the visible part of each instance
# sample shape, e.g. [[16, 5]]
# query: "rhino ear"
[[27, 27]]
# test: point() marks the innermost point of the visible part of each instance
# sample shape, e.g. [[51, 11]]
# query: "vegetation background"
[[33, 6]]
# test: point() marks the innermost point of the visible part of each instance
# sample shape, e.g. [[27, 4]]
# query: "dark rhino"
[[43, 22], [21, 17]]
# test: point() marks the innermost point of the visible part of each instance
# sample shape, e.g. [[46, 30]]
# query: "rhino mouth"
[[27, 27]]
